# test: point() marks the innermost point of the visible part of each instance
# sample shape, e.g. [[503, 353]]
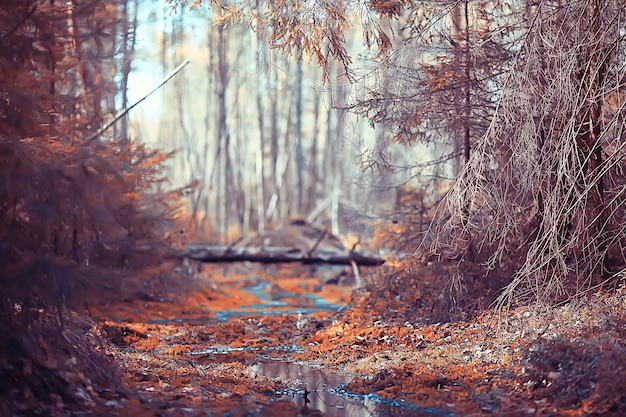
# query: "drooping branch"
[[310, 29], [537, 183]]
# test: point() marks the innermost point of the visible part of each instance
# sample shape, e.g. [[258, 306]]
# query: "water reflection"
[[270, 303], [320, 391], [285, 301]]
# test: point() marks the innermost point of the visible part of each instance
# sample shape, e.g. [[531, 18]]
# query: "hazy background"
[[265, 138]]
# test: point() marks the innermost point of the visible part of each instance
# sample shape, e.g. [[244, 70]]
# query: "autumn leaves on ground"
[[232, 339], [173, 361], [103, 314]]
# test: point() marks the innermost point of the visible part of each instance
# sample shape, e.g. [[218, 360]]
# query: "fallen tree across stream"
[[275, 254]]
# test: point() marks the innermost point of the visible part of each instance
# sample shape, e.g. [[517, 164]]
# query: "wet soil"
[[235, 340]]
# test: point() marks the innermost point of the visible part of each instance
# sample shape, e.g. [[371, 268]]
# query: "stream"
[[313, 390], [268, 302], [283, 302], [323, 391]]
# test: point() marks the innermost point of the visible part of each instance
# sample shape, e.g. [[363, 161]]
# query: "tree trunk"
[[299, 156]]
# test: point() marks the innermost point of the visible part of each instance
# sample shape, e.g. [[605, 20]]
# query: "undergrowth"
[[76, 217]]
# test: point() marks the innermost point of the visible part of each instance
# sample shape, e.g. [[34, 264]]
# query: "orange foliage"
[[74, 214], [313, 29]]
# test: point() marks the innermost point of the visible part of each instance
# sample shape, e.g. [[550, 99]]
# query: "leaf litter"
[[561, 361]]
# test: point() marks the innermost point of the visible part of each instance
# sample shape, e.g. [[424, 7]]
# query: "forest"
[[304, 207]]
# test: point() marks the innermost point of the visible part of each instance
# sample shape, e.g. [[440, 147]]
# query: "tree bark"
[[277, 254]]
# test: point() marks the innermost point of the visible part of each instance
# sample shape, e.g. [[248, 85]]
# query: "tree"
[[440, 85], [274, 147], [128, 33], [546, 187], [75, 213], [532, 93]]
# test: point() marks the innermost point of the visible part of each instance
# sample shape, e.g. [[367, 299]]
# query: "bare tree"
[[128, 20], [299, 151]]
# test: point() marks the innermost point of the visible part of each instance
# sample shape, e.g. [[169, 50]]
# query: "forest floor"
[[250, 340]]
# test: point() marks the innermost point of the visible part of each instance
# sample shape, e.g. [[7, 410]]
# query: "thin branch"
[[123, 112]]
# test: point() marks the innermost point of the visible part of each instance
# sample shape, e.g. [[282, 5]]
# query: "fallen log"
[[276, 254]]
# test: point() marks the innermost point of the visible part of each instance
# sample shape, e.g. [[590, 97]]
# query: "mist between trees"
[[259, 130], [521, 102], [320, 109]]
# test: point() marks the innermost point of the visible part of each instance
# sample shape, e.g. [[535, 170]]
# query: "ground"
[[289, 340]]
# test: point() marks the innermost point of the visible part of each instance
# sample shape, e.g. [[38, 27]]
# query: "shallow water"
[[314, 389], [277, 302], [281, 301]]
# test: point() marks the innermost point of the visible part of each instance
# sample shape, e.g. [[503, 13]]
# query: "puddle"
[[225, 350], [269, 303], [322, 391], [279, 301]]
